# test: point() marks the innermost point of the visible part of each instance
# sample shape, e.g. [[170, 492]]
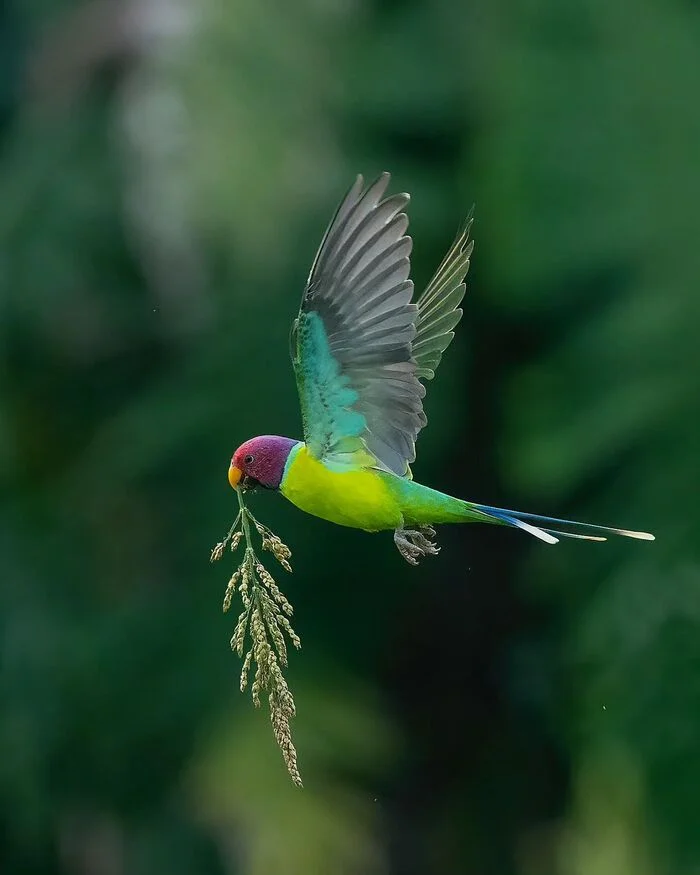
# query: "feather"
[[438, 306], [354, 333], [359, 344], [588, 529]]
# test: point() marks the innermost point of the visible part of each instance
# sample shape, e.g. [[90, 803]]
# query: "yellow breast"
[[356, 498]]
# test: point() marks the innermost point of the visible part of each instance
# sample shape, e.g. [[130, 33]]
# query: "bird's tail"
[[543, 530]]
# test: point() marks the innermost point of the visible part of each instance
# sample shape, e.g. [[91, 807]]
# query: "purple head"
[[260, 460]]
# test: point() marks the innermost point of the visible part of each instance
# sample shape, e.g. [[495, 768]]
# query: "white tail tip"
[[542, 534], [640, 536]]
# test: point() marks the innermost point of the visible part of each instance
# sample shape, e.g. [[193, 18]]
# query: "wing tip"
[[355, 189], [384, 178]]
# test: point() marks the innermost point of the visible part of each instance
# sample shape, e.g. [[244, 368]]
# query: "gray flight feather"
[[360, 379], [438, 306]]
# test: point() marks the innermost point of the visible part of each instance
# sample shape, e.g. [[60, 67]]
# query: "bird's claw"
[[414, 543]]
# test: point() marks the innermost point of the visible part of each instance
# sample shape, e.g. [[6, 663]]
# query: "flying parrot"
[[363, 351]]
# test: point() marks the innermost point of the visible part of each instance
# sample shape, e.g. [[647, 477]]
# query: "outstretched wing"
[[438, 306], [360, 397]]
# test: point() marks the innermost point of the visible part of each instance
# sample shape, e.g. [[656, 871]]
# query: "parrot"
[[362, 351]]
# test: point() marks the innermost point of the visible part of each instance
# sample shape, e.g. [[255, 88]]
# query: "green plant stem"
[[242, 514]]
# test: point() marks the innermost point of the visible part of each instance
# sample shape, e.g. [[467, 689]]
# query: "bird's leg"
[[414, 543]]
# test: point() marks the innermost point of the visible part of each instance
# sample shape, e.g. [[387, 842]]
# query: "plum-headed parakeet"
[[362, 350]]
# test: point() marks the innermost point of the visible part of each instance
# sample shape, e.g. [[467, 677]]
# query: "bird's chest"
[[349, 498]]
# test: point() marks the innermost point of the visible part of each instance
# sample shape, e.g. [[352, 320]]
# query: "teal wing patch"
[[360, 347], [332, 425], [351, 343]]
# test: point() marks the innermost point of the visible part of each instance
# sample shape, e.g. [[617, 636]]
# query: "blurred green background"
[[167, 168]]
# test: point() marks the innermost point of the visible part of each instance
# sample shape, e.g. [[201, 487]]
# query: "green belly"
[[356, 498]]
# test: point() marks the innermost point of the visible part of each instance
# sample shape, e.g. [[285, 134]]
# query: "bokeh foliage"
[[166, 171]]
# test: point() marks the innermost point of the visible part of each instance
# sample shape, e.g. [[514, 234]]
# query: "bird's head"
[[260, 462]]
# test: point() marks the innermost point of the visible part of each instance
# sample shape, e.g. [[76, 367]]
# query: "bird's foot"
[[414, 543]]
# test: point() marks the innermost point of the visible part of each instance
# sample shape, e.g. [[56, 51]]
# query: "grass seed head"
[[264, 624]]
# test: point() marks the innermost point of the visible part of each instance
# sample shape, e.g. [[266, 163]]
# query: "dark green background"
[[166, 172]]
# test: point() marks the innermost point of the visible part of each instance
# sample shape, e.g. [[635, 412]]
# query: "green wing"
[[351, 343], [438, 306], [359, 345]]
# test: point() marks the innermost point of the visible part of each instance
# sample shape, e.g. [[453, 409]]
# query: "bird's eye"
[[248, 459]]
